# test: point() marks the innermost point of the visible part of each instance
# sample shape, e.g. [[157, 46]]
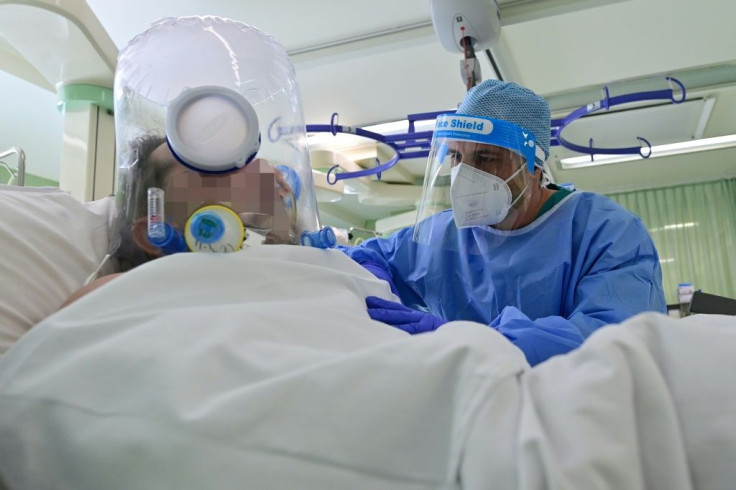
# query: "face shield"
[[480, 168], [211, 142]]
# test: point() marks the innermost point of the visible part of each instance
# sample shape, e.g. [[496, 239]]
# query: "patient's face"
[[255, 192]]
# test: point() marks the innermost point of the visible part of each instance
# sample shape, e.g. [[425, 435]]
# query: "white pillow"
[[49, 244]]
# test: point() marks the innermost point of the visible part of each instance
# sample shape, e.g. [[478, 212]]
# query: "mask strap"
[[519, 196], [523, 190], [514, 175]]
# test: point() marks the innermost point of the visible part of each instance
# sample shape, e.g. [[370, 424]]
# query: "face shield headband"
[[487, 131]]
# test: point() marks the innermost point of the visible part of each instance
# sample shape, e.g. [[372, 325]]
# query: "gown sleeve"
[[622, 277]]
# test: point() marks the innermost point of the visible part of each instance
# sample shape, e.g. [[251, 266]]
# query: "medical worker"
[[543, 265]]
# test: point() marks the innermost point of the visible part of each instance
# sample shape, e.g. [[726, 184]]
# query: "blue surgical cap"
[[513, 103]]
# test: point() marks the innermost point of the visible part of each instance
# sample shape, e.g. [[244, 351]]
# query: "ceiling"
[[379, 61]]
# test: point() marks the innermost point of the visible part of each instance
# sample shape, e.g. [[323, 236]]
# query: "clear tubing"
[[156, 226]]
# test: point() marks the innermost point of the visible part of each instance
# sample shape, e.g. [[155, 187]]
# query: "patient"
[[212, 159], [258, 192]]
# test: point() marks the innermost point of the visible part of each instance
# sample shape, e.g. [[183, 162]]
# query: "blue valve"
[[324, 238], [172, 242]]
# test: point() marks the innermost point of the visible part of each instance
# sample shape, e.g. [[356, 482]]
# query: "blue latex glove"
[[402, 317]]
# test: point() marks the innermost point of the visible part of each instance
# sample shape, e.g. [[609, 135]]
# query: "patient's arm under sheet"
[[260, 369]]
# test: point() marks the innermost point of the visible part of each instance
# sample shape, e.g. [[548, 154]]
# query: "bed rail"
[[18, 176]]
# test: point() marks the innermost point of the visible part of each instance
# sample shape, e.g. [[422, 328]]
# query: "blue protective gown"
[[585, 263]]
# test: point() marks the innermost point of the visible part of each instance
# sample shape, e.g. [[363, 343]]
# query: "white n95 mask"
[[479, 198]]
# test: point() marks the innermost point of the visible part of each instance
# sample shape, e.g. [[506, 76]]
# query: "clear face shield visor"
[[482, 170]]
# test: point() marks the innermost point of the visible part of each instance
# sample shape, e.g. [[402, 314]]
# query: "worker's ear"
[[140, 237], [538, 175]]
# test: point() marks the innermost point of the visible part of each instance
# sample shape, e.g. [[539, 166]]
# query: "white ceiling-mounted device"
[[466, 26], [454, 19]]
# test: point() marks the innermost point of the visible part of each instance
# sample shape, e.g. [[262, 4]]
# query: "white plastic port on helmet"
[[212, 129]]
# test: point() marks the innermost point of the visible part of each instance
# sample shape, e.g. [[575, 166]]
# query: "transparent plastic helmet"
[[211, 143]]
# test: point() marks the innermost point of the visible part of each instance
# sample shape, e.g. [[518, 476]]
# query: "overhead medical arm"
[[61, 46]]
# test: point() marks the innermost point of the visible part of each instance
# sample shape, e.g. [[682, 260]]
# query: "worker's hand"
[[402, 317]]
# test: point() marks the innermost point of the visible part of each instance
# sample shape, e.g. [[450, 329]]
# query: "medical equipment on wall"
[[355, 232], [467, 26], [16, 176], [214, 156], [712, 304]]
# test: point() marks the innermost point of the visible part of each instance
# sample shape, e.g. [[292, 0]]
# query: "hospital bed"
[[15, 175], [262, 370]]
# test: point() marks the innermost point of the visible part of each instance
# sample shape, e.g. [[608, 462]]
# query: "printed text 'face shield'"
[[480, 168]]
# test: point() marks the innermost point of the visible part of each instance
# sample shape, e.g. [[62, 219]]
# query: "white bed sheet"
[[263, 370], [648, 404], [49, 244]]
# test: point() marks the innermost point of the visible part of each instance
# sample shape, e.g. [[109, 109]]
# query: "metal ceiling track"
[[512, 12], [695, 79]]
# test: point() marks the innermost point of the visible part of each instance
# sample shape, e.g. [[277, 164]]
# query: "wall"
[[31, 121]]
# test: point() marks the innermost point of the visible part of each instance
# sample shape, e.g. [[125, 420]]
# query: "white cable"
[[93, 276]]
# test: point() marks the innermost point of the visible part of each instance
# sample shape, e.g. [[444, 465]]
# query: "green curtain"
[[694, 230]]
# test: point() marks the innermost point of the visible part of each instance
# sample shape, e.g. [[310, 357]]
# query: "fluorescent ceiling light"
[[657, 151], [676, 226], [336, 142], [398, 127]]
